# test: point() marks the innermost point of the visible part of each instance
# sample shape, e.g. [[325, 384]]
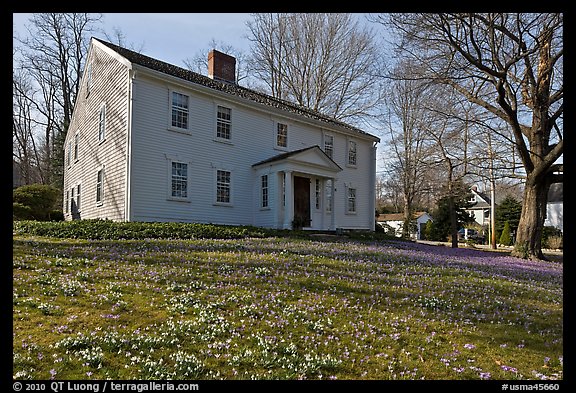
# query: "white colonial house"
[[150, 141]]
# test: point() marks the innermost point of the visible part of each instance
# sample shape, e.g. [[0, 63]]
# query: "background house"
[[555, 206], [480, 209], [150, 141], [395, 221]]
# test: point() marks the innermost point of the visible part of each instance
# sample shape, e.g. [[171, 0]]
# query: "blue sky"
[[171, 37]]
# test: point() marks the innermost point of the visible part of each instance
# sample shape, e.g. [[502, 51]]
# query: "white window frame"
[[318, 194], [230, 187], [69, 155], [329, 197], [78, 195], [327, 137], [77, 146], [219, 121], [352, 153], [171, 162], [171, 126], [277, 125], [265, 192], [102, 124], [100, 185], [66, 202], [72, 189], [354, 198]]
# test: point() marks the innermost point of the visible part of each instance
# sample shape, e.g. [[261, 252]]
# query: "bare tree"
[[52, 56], [510, 65], [322, 61]]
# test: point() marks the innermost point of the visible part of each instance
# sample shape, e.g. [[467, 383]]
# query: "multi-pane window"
[[317, 193], [222, 186], [351, 205], [76, 141], [264, 190], [102, 124], [282, 135], [99, 186], [72, 202], [223, 123], [179, 180], [328, 188], [69, 155], [179, 110], [351, 153], [329, 145], [78, 197]]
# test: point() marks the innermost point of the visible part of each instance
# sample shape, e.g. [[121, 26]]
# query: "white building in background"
[[150, 141]]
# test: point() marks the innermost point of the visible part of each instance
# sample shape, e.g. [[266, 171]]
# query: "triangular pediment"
[[308, 157]]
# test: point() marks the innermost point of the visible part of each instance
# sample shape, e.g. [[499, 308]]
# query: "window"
[[282, 135], [352, 153], [69, 156], [179, 187], [66, 201], [317, 193], [223, 122], [222, 186], [329, 145], [102, 124], [76, 140], [78, 198], [328, 188], [179, 110], [351, 205], [72, 203], [88, 78], [264, 191], [100, 186]]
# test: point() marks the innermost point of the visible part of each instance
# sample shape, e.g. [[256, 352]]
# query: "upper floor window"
[[179, 182], [223, 122], [264, 185], [76, 142], [180, 110], [223, 186], [102, 124], [88, 78], [352, 152], [329, 145], [282, 135]]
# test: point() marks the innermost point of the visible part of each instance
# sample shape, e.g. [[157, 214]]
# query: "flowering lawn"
[[281, 308]]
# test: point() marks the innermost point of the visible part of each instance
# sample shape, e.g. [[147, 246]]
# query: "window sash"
[[351, 153], [102, 124], [179, 180], [351, 200], [223, 186], [223, 122], [179, 110], [264, 190], [99, 183], [329, 145], [282, 135]]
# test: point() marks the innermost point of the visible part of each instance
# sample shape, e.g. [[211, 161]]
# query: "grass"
[[281, 308]]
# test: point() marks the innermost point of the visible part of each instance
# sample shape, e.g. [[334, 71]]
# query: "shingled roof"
[[230, 88]]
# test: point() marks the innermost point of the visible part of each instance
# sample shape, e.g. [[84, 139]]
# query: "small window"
[[329, 145], [180, 110], [352, 153], [67, 200], [351, 205], [179, 180], [102, 124], [328, 189], [88, 78], [76, 141], [69, 155], [72, 203], [78, 198], [222, 186], [100, 186], [223, 122], [282, 135], [264, 191]]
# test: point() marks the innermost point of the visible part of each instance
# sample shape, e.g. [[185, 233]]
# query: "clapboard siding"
[[110, 88]]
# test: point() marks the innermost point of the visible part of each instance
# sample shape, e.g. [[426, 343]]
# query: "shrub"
[[505, 238], [34, 201]]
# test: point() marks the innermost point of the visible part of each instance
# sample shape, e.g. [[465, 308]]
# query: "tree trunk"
[[529, 236]]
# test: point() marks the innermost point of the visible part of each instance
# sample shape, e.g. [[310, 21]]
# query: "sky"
[[170, 37]]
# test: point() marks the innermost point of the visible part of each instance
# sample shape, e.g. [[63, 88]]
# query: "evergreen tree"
[[508, 211], [441, 216], [429, 230], [505, 238]]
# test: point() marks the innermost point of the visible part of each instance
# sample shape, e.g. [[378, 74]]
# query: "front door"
[[301, 201]]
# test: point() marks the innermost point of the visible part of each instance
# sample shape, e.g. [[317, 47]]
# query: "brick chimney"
[[221, 66]]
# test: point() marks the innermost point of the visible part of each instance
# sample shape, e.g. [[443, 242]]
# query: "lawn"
[[281, 308]]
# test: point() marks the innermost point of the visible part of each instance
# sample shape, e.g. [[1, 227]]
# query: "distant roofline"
[[230, 88]]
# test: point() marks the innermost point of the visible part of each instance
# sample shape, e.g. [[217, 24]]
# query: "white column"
[[289, 200]]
